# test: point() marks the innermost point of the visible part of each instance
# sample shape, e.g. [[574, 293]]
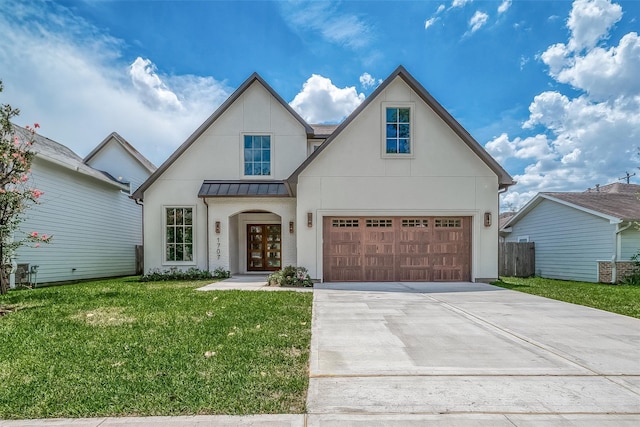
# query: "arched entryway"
[[256, 241]]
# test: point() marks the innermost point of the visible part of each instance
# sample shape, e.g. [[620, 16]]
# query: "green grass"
[[614, 298], [119, 347]]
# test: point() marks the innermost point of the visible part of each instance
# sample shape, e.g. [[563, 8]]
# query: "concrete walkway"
[[248, 282], [468, 355], [455, 354]]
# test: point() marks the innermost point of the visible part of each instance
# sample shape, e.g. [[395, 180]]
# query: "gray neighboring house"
[[87, 209], [586, 236]]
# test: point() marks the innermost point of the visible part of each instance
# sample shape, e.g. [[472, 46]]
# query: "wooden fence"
[[517, 259]]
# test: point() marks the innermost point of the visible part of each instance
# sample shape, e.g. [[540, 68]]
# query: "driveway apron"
[[407, 353]]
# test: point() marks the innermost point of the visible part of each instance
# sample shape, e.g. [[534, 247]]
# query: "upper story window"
[[257, 155], [398, 130]]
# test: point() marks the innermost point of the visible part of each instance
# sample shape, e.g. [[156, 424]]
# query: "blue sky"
[[550, 88]]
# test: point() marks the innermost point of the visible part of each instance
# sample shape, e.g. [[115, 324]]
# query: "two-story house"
[[399, 191]]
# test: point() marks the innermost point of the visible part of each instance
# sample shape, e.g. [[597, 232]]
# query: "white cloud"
[[504, 6], [320, 101], [153, 92], [429, 22], [556, 57], [347, 30], [590, 22], [606, 73], [589, 138], [477, 21], [440, 8], [460, 3], [71, 78], [367, 81]]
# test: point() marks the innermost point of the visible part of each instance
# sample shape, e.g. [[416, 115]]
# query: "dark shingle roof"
[[48, 149], [243, 189], [616, 200]]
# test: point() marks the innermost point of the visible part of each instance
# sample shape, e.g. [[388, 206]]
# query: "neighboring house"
[[398, 191], [87, 209], [588, 236], [503, 219]]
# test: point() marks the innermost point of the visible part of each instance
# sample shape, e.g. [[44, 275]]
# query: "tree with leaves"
[[15, 193]]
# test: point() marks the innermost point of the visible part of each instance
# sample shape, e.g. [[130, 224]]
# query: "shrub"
[[221, 273], [633, 278], [291, 276], [156, 275]]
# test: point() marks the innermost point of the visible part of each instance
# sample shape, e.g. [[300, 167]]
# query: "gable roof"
[[54, 152], [204, 126], [615, 202], [504, 179], [113, 136]]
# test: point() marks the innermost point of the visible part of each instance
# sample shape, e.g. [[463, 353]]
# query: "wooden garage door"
[[408, 249]]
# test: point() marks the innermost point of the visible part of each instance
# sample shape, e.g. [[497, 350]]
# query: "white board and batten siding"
[[569, 242], [95, 226]]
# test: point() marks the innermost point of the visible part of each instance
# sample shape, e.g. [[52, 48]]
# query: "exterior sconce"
[[217, 227], [309, 219], [487, 219], [291, 227]]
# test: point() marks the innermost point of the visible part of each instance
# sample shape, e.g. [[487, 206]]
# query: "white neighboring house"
[[586, 236], [398, 191], [87, 209]]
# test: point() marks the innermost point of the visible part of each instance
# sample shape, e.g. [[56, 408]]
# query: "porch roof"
[[226, 188]]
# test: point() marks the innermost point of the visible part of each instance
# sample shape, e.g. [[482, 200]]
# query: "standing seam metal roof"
[[243, 189]]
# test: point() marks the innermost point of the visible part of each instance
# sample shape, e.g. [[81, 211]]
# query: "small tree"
[[15, 194]]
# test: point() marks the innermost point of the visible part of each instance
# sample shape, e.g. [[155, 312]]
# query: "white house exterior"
[[87, 209], [586, 236], [398, 191]]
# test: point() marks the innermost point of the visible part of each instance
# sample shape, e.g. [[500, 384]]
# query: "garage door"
[[408, 249]]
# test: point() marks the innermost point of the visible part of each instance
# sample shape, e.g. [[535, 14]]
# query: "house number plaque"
[[218, 250]]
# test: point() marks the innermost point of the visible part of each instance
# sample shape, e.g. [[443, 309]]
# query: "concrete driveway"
[[468, 354]]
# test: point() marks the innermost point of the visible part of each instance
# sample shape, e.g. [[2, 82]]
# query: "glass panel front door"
[[264, 247]]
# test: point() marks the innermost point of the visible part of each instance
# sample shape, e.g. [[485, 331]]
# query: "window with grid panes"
[[179, 234], [257, 155], [398, 130]]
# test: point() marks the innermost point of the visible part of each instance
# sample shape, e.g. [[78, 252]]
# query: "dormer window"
[[257, 155]]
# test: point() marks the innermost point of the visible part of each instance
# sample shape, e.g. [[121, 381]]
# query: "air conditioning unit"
[[22, 274]]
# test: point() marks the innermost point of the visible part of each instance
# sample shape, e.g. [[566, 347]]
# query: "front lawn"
[[119, 347], [615, 298]]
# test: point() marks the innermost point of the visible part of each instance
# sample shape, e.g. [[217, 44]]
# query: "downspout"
[[207, 230], [614, 258]]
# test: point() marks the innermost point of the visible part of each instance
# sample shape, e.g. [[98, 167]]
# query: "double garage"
[[407, 249]]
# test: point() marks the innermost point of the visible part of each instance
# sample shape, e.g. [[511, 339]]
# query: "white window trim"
[[523, 239], [383, 130], [164, 235], [271, 166]]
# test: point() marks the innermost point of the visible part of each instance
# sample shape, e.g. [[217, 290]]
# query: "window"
[[344, 223], [398, 130], [415, 222], [448, 223], [179, 234], [257, 155], [379, 223]]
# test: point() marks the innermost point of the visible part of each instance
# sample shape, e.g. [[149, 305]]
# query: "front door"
[[264, 247]]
